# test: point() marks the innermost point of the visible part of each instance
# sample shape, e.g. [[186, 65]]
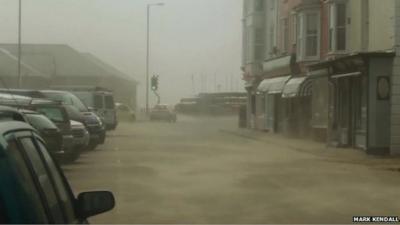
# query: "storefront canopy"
[[297, 87], [273, 85]]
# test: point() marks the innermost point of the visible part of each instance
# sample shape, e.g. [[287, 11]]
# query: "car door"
[[23, 199], [57, 194]]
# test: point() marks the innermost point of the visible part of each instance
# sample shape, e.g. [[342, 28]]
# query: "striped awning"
[[297, 87], [273, 85]]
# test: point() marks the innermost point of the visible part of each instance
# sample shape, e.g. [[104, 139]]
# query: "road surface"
[[192, 172]]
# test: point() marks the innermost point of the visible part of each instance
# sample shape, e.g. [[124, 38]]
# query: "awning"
[[273, 85], [337, 76], [297, 87]]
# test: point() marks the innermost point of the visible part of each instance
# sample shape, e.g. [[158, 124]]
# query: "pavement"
[[204, 170]]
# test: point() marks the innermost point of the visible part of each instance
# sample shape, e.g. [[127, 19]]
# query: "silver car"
[[163, 112]]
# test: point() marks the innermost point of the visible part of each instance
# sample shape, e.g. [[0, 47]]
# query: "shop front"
[[275, 111], [359, 100], [297, 93]]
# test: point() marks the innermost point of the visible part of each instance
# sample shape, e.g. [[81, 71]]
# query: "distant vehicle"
[[124, 112], [80, 134], [33, 188], [98, 99], [163, 112]]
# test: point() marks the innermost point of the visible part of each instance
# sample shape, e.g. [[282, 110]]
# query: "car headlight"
[[99, 120]]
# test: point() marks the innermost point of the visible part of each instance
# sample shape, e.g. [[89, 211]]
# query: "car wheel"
[[92, 146]]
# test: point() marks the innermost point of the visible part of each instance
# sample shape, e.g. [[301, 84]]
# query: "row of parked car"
[[37, 129]]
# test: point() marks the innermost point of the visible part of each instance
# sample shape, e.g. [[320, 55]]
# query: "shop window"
[[259, 5], [285, 35]]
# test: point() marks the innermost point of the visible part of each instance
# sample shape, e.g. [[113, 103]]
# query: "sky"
[[195, 45]]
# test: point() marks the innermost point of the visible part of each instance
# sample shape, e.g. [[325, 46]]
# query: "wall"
[[395, 99], [381, 24], [378, 119]]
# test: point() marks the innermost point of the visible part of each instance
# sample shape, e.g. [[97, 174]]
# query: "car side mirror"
[[94, 203]]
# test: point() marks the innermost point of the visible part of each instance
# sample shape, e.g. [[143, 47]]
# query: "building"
[[331, 75], [53, 64]]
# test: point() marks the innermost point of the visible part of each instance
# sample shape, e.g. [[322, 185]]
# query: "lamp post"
[[148, 52], [19, 43]]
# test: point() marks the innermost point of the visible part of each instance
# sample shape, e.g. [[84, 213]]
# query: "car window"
[[85, 97], [98, 101], [40, 121], [7, 116], [24, 176], [44, 179], [64, 193], [109, 102], [53, 113], [59, 97]]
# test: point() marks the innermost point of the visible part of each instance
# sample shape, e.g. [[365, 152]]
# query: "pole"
[[147, 59], [19, 43]]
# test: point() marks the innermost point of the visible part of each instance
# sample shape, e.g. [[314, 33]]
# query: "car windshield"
[[85, 97], [214, 111], [67, 98], [55, 114], [40, 121]]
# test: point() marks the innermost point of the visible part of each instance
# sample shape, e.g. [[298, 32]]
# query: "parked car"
[[79, 112], [80, 134], [163, 112], [47, 129], [33, 188], [75, 109], [97, 99], [49, 132], [55, 111], [124, 112]]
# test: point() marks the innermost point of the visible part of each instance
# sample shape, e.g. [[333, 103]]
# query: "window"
[[259, 5], [53, 113], [285, 35], [293, 29], [259, 37], [44, 180], [61, 186], [109, 102], [311, 34], [308, 32], [337, 27], [98, 101], [24, 177], [40, 121]]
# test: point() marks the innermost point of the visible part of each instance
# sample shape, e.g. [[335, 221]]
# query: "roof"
[[9, 66], [109, 68], [60, 60]]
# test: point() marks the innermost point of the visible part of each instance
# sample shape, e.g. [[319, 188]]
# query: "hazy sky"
[[188, 37]]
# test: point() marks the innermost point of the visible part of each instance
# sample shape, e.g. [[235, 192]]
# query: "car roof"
[[55, 91], [26, 111], [9, 126], [8, 109]]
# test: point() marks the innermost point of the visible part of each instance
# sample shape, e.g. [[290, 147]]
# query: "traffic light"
[[154, 82]]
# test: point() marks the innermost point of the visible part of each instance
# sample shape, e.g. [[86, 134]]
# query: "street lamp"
[[19, 43], [148, 52]]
